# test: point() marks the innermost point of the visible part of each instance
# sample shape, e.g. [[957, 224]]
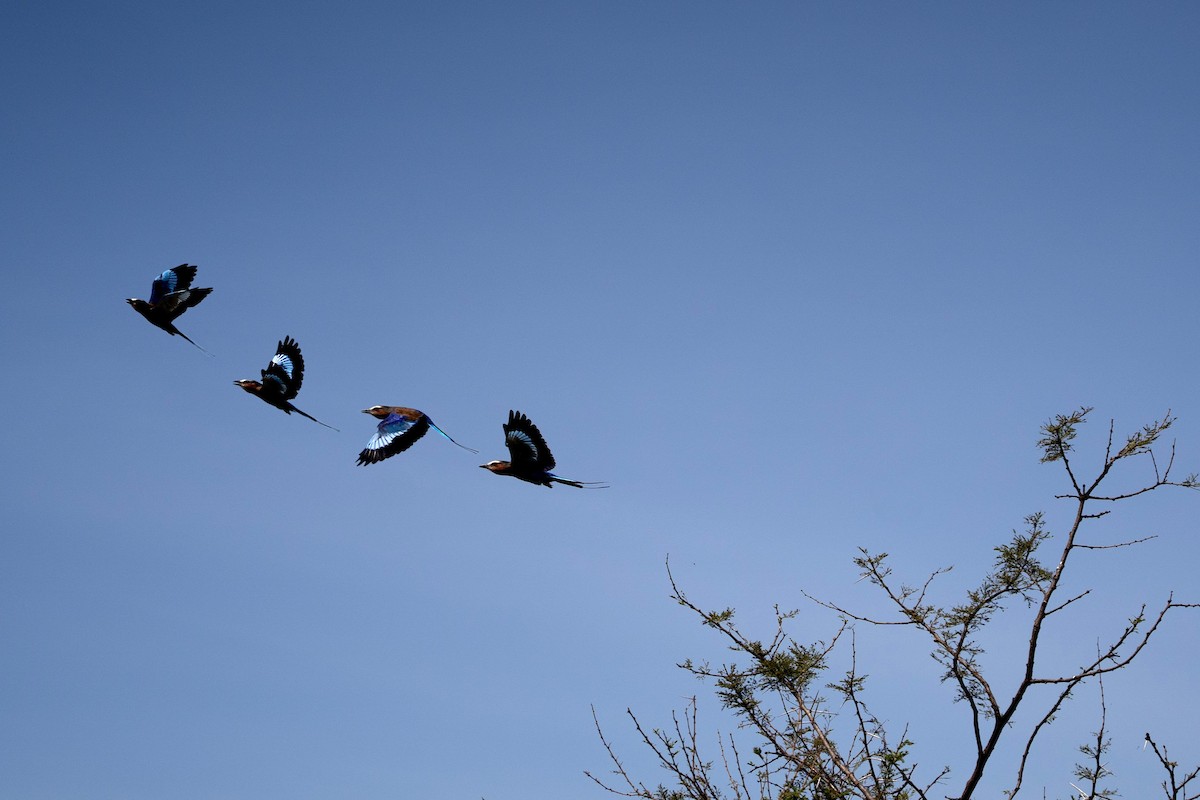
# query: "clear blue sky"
[[794, 278]]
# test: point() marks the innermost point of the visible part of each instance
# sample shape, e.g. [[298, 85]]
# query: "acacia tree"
[[812, 739]]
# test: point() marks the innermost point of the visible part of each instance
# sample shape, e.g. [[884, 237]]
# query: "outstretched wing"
[[526, 447], [175, 279], [395, 434], [175, 303], [285, 373]]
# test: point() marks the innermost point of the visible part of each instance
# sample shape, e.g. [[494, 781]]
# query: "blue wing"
[[395, 434], [175, 279], [284, 362], [162, 287], [526, 446], [285, 372]]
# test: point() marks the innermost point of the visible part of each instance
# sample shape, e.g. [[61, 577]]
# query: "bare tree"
[[819, 740], [1174, 787]]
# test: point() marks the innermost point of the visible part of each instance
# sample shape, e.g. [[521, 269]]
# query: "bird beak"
[[366, 411]]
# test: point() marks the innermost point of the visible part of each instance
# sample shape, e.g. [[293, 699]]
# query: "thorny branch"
[[800, 757], [1173, 786]]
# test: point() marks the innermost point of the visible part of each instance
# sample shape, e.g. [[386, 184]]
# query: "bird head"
[[378, 411], [254, 387], [495, 466], [137, 303]]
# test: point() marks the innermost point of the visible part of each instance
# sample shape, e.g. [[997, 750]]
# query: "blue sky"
[[792, 278]]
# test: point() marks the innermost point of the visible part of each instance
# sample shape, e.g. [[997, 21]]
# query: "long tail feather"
[[580, 484], [443, 433], [198, 347], [314, 419]]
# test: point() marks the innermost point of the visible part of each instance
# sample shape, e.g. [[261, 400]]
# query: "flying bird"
[[171, 294], [281, 380], [399, 429], [531, 457]]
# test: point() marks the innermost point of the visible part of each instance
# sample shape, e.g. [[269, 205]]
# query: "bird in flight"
[[399, 428], [171, 294], [281, 380], [531, 457]]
